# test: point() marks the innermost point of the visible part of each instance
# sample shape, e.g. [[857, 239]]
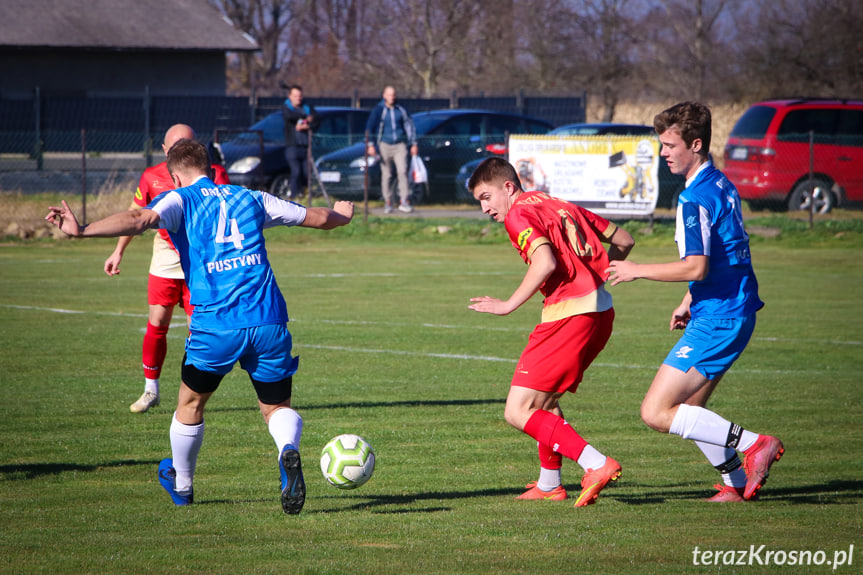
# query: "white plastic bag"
[[419, 174]]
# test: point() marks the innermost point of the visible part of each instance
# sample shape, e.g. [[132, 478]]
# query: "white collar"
[[698, 171]]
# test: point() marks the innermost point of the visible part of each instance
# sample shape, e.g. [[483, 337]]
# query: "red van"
[[767, 154]]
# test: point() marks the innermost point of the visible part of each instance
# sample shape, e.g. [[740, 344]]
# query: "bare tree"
[[333, 48], [266, 21], [803, 48], [417, 38], [714, 50], [551, 57], [606, 27], [686, 48]]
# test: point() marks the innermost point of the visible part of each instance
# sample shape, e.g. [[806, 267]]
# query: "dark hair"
[[691, 119], [293, 87], [494, 169], [188, 155]]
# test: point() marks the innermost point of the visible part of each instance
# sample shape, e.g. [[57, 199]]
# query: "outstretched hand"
[[621, 271], [344, 208], [486, 304], [64, 219]]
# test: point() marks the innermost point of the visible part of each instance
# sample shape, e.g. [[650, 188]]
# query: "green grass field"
[[390, 351]]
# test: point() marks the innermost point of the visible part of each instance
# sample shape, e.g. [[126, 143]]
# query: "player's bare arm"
[[622, 243], [341, 214], [692, 268], [112, 264], [542, 264], [130, 223]]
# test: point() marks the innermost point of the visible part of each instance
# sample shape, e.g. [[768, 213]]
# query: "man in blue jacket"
[[300, 121], [391, 131]]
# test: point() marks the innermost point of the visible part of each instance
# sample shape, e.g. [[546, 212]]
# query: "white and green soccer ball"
[[347, 461]]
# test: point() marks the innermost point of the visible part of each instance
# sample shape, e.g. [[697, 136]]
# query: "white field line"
[[425, 354], [393, 274]]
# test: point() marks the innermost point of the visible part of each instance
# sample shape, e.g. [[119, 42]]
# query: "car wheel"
[[281, 187], [818, 192]]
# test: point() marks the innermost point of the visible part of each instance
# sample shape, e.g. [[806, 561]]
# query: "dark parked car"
[[602, 129], [670, 185], [256, 158], [447, 139]]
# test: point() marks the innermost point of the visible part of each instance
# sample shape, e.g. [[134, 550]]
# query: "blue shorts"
[[711, 345], [264, 351]]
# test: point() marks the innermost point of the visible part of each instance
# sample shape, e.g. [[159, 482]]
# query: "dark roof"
[[119, 25]]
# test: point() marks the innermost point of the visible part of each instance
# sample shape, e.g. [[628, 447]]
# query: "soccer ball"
[[347, 461]]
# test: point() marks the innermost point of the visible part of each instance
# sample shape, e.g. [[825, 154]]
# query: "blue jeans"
[[297, 157]]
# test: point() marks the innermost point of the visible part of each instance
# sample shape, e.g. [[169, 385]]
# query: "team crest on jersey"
[[138, 195], [691, 222], [522, 238], [683, 352]]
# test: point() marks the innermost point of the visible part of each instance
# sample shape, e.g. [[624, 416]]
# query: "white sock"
[[286, 427], [700, 424], [548, 479], [151, 385], [717, 456], [186, 442], [590, 458], [747, 440]]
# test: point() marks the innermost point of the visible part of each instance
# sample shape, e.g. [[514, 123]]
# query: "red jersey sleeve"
[[525, 228], [143, 191], [575, 236], [221, 175], [602, 227]]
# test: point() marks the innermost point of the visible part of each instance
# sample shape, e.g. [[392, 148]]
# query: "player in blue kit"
[[240, 314], [717, 312]]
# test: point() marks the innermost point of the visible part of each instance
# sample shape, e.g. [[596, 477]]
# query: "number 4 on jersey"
[[235, 236]]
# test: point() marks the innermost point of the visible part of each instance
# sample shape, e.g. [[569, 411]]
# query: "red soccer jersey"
[[575, 236], [156, 180]]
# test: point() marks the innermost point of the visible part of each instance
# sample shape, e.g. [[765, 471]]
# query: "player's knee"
[[654, 418], [514, 416]]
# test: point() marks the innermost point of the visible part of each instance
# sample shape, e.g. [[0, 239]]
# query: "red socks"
[[556, 435], [154, 350], [548, 458]]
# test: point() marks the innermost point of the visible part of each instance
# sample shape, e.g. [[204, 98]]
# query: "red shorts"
[[558, 352], [168, 292]]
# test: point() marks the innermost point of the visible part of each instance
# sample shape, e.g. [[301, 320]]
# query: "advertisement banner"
[[610, 175]]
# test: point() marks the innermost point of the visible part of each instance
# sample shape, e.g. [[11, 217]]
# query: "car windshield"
[[592, 130], [425, 123], [272, 127], [754, 122]]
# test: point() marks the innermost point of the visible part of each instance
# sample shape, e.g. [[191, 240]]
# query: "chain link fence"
[[73, 144]]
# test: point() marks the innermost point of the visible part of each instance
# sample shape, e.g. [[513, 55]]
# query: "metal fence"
[[52, 142]]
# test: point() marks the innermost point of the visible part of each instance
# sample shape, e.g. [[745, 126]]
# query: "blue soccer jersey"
[[218, 231], [710, 223]]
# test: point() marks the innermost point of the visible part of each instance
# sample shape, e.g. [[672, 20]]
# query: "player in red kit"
[[166, 287], [563, 246]]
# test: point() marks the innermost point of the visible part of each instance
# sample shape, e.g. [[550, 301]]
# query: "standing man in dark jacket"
[[300, 121], [391, 131]]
